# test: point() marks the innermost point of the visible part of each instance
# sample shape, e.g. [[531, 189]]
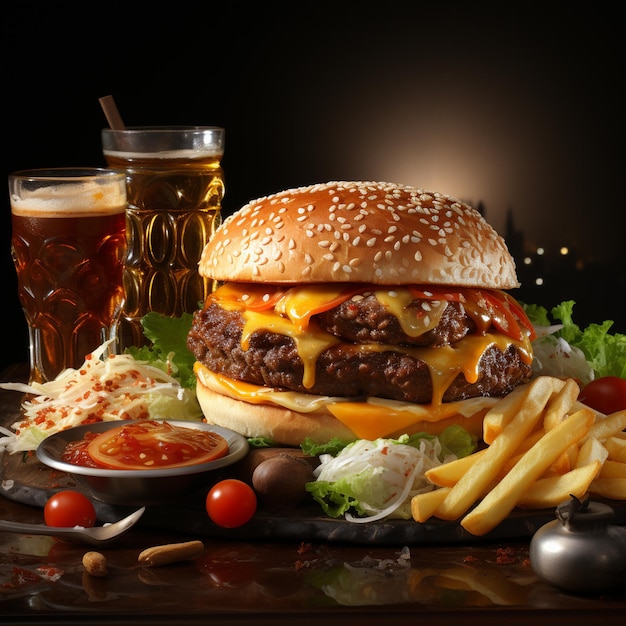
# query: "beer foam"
[[85, 199], [166, 154]]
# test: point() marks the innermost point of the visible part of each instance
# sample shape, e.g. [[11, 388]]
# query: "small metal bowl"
[[138, 487]]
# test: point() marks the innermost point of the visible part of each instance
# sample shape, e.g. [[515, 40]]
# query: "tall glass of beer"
[[68, 244], [175, 186]]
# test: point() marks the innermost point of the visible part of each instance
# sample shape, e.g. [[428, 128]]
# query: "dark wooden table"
[[274, 581]]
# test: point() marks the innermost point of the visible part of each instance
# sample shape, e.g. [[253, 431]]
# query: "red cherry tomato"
[[606, 394], [68, 509], [231, 503]]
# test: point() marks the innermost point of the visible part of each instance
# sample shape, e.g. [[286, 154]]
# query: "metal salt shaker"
[[580, 551]]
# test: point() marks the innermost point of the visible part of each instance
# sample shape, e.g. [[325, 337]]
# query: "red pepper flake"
[[470, 559], [304, 548], [21, 578], [50, 572], [505, 556]]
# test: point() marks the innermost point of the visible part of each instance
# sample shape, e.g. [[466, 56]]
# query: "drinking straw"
[[112, 114]]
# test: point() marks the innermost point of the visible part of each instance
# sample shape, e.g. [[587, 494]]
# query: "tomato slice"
[[249, 295], [501, 315], [301, 303], [513, 308], [154, 444], [490, 306]]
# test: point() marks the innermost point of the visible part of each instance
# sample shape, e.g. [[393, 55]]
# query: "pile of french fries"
[[543, 446]]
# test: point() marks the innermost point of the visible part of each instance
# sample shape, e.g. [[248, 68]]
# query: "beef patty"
[[346, 369]]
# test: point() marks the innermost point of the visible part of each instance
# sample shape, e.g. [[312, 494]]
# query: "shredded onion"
[[398, 468], [114, 388]]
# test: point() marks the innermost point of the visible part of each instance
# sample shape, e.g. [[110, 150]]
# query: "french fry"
[[616, 447], [550, 492], [609, 425], [502, 413], [613, 469], [448, 474], [561, 404], [591, 450], [474, 484], [424, 505], [501, 500], [561, 464], [529, 442], [612, 488], [581, 405], [572, 454]]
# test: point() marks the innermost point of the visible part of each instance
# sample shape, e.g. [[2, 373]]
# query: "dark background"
[[517, 111]]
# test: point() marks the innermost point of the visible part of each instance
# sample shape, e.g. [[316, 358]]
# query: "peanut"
[[95, 564], [170, 553]]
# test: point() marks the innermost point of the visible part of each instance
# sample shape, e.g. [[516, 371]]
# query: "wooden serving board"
[[24, 479]]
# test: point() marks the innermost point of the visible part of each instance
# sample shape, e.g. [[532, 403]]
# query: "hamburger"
[[357, 310]]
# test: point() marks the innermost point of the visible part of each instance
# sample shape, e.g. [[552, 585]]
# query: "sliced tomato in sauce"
[[155, 445]]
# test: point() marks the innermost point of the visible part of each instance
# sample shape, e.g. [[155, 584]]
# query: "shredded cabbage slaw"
[[118, 387], [376, 478]]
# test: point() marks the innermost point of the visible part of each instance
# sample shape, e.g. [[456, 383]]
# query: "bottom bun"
[[282, 426], [288, 426]]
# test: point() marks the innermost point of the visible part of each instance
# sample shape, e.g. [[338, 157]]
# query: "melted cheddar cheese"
[[292, 314]]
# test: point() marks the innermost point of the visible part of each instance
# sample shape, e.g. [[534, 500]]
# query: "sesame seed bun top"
[[366, 232]]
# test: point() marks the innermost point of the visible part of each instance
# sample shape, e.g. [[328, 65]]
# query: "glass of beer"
[[175, 186], [68, 244]]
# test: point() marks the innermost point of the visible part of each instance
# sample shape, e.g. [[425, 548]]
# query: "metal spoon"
[[94, 536]]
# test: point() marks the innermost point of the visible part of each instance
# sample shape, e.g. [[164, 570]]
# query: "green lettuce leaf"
[[168, 350], [605, 352]]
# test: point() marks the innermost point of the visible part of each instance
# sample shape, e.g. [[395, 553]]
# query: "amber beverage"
[[175, 186], [68, 246]]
